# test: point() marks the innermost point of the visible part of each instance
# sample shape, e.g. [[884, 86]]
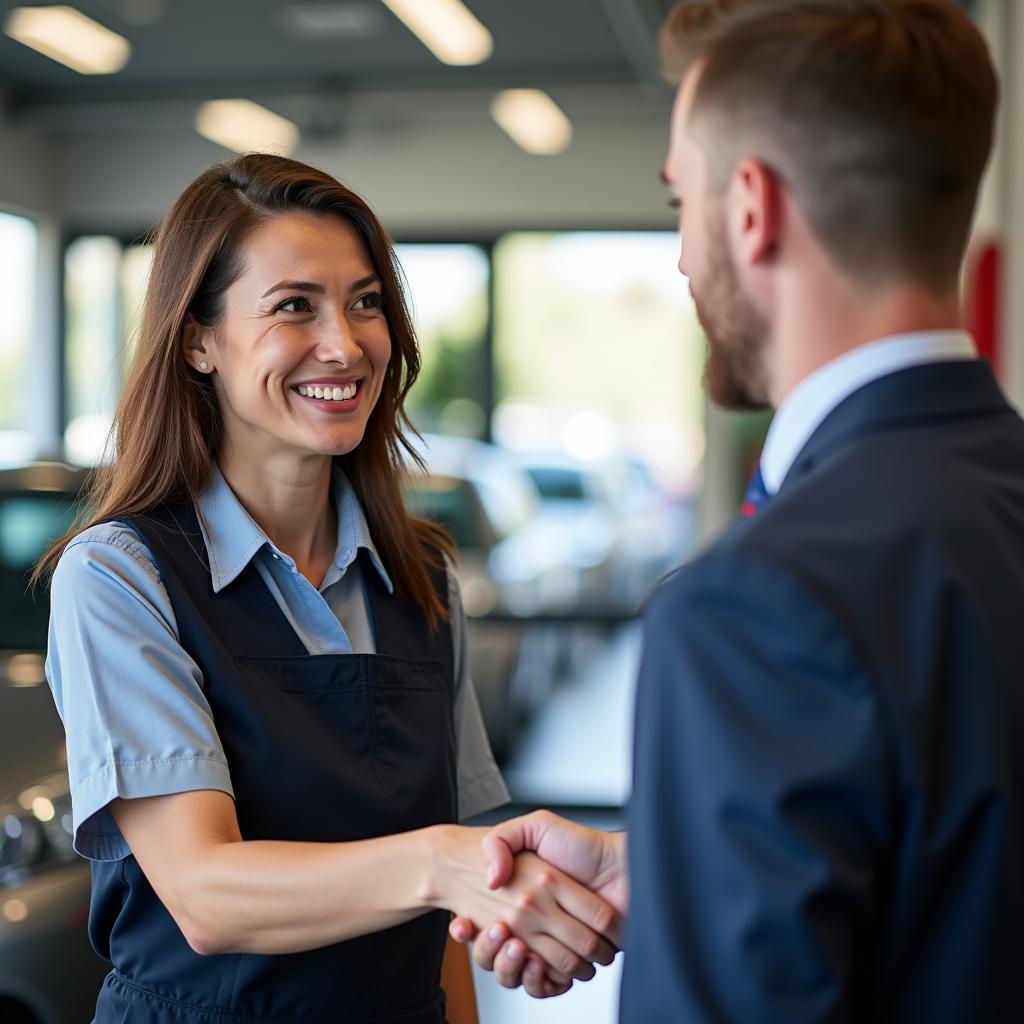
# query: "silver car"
[[49, 973]]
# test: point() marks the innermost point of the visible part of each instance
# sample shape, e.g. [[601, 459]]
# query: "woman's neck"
[[289, 499]]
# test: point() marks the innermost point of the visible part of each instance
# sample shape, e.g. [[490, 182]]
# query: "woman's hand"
[[556, 918], [596, 859]]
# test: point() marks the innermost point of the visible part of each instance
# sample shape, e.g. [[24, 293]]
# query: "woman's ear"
[[195, 345]]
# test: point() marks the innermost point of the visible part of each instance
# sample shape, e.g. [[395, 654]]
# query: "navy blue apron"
[[321, 748]]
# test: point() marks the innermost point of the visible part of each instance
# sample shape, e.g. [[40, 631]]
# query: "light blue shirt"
[[807, 405], [131, 698]]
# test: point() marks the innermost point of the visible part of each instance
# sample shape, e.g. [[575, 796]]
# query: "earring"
[[204, 366]]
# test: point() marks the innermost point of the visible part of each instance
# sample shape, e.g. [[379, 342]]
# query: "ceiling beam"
[[636, 24]]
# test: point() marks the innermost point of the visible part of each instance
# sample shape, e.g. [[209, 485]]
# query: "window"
[[449, 296], [18, 387], [104, 284]]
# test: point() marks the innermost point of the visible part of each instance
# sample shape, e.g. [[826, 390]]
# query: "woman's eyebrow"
[[317, 289], [295, 286]]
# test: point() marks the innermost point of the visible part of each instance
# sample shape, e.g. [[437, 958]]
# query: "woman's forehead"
[[307, 246]]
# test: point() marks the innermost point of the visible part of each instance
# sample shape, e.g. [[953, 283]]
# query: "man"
[[827, 821]]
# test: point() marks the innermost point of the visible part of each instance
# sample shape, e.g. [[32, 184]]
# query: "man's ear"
[[195, 341], [755, 207]]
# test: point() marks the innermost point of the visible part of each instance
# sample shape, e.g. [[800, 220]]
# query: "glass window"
[[599, 358], [598, 348], [104, 285], [18, 244], [449, 297], [92, 348]]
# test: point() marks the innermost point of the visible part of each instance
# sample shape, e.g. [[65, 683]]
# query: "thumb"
[[500, 858]]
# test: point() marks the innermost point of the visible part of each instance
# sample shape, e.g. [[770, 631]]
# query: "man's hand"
[[595, 859]]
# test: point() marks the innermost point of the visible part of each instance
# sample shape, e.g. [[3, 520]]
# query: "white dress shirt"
[[807, 405]]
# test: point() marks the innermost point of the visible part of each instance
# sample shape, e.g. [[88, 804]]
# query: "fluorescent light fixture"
[[69, 37], [446, 28], [246, 127], [532, 120]]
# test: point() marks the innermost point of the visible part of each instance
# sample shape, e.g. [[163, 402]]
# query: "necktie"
[[757, 494]]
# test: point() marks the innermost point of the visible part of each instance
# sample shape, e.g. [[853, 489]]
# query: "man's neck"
[[813, 330]]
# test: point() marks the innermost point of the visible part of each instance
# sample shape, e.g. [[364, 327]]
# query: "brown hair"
[[877, 115], [167, 428]]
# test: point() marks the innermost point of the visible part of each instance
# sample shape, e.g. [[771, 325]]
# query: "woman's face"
[[298, 360]]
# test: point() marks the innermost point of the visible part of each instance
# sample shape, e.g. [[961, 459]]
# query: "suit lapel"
[[918, 396]]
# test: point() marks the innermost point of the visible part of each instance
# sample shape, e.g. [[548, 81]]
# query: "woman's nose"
[[338, 343]]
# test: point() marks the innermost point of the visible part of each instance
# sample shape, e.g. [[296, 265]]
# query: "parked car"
[[510, 567], [619, 530], [49, 973]]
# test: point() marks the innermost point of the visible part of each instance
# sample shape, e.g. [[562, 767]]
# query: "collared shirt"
[[131, 698], [807, 405]]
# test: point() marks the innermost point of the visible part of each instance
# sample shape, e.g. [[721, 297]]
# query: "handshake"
[[561, 894]]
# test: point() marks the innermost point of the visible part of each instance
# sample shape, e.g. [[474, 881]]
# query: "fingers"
[[462, 929], [585, 921], [505, 840], [539, 983]]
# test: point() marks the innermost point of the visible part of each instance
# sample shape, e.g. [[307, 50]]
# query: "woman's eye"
[[371, 300], [296, 304]]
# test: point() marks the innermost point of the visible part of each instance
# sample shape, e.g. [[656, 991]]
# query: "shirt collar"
[[807, 405], [233, 538]]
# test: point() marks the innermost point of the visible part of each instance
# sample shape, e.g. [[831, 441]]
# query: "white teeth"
[[329, 394]]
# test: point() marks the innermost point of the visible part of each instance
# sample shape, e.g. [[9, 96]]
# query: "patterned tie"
[[757, 494]]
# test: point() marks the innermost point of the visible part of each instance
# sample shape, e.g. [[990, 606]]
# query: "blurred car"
[[49, 973], [619, 530], [510, 566]]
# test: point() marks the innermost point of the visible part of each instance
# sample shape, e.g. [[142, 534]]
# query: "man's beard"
[[735, 373]]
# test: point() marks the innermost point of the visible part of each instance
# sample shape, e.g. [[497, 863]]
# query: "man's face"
[[735, 374]]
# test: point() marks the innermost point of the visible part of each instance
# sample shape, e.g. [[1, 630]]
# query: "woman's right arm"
[[262, 896]]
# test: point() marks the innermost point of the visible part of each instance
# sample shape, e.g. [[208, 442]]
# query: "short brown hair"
[[877, 114], [167, 429]]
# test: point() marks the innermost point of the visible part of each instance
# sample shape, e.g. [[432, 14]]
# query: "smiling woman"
[[259, 655]]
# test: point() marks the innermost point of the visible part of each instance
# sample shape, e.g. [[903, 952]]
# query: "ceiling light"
[[446, 28], [69, 37], [533, 120], [246, 127]]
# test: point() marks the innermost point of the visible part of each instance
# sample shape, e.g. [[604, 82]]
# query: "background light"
[[446, 28], [246, 127], [69, 37], [533, 120]]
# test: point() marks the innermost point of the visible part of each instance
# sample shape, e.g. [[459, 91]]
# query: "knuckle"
[[588, 945], [604, 918], [527, 901], [547, 878], [566, 963]]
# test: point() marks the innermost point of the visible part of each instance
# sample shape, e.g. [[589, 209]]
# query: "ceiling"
[[199, 49]]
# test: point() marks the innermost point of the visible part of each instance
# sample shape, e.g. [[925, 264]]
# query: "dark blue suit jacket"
[[828, 812]]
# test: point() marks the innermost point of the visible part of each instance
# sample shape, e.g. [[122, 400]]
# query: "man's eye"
[[296, 304], [371, 300]]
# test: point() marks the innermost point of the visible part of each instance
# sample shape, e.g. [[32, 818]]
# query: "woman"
[[259, 657]]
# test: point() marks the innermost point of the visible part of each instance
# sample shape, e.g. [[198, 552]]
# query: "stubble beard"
[[735, 372]]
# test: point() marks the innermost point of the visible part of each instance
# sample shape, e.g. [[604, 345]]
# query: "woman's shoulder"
[[111, 551]]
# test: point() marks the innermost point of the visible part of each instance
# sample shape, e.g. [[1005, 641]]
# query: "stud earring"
[[204, 366]]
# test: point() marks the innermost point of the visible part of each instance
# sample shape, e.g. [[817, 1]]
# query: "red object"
[[983, 306]]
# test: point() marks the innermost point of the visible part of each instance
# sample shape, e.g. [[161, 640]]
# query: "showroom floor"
[[575, 753]]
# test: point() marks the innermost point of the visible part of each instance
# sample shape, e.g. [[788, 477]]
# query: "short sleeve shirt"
[[131, 697]]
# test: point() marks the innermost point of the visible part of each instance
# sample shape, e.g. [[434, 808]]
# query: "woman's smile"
[[331, 396]]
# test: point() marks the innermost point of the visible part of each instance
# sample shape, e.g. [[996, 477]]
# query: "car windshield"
[[28, 522], [449, 505], [555, 482]]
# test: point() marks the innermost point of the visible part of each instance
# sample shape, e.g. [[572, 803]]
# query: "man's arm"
[[760, 802]]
